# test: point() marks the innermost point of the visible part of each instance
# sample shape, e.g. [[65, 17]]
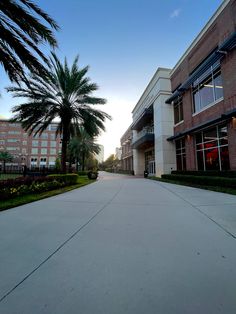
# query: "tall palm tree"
[[82, 146], [5, 156], [65, 93], [21, 31]]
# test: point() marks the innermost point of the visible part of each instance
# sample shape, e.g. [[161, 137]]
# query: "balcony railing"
[[143, 132]]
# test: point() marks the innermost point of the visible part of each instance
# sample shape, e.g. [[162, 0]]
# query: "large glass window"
[[208, 88], [212, 149], [178, 110], [180, 154]]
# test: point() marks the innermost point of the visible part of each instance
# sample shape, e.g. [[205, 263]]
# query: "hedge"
[[202, 180], [82, 173], [67, 179], [10, 183], [208, 173], [28, 185], [35, 187]]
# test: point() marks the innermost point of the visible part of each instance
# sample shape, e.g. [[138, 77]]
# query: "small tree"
[[110, 163], [82, 146], [5, 157]]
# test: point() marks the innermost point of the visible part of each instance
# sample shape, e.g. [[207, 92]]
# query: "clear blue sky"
[[123, 41]]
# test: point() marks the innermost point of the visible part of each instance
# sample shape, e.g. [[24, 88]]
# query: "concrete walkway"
[[120, 245]]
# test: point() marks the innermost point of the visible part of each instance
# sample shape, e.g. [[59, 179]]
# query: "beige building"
[[153, 122], [32, 151], [100, 155], [126, 151]]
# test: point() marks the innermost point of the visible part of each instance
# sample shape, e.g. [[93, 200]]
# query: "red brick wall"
[[224, 25]]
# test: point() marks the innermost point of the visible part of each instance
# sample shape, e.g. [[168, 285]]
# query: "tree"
[[82, 146], [110, 163], [21, 31], [5, 156], [65, 93]]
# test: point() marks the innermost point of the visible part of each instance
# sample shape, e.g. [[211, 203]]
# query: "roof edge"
[[201, 34]]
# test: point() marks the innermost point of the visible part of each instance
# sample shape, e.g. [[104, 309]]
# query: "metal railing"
[[143, 132]]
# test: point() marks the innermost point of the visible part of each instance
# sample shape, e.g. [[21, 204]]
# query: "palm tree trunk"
[[4, 166], [76, 160], [65, 140], [83, 161]]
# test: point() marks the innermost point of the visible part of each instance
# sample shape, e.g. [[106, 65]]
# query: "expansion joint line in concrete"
[[62, 245], [199, 210]]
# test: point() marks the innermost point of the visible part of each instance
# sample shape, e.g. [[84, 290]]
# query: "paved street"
[[120, 245]]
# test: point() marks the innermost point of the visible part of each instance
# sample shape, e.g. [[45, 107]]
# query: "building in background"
[[118, 153], [203, 99], [153, 122], [100, 155], [126, 151], [32, 151]]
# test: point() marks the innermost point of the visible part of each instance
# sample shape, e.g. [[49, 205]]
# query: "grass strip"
[[203, 187], [24, 199]]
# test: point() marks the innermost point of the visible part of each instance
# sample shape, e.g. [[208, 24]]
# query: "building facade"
[[153, 121], [100, 156], [32, 151], [127, 151], [203, 99]]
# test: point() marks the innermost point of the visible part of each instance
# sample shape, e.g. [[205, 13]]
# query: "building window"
[[23, 151], [44, 143], [35, 143], [53, 127], [53, 151], [24, 143], [208, 88], [13, 132], [12, 148], [12, 140], [180, 154], [34, 151], [44, 136], [178, 110], [44, 151], [2, 142], [53, 143], [212, 149]]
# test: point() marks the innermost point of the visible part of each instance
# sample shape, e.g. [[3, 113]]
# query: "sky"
[[123, 42]]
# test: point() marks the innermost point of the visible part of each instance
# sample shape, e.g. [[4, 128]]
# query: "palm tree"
[[5, 156], [65, 93], [21, 31], [82, 147]]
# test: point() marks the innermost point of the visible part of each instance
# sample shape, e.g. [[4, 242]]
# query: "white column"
[[163, 128], [138, 162]]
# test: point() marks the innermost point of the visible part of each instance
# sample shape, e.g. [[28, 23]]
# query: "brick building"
[[127, 151], [203, 96], [32, 151]]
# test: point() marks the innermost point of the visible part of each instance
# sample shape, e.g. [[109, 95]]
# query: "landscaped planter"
[[92, 175]]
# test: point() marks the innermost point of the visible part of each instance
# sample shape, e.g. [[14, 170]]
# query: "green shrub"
[[66, 179], [202, 180], [82, 173], [35, 187], [208, 173]]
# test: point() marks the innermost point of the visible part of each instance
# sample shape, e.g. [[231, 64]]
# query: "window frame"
[[210, 73]]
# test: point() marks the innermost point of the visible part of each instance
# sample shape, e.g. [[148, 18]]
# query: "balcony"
[[144, 138]]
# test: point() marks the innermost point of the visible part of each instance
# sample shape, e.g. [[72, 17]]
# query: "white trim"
[[201, 34], [208, 106], [147, 90], [180, 122]]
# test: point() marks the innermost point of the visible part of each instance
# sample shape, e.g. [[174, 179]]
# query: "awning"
[[216, 56], [224, 117]]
